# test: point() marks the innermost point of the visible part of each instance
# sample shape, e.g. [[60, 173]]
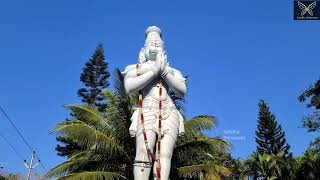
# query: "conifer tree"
[[95, 78], [70, 148], [270, 138]]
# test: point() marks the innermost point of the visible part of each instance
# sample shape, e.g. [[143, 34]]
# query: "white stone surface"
[[153, 66]]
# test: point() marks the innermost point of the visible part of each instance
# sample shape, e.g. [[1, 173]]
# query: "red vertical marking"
[[158, 173], [144, 136], [152, 156]]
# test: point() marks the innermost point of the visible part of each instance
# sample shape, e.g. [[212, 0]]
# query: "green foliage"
[[312, 93], [312, 122], [10, 176], [197, 155], [271, 160], [102, 150], [239, 169], [70, 148], [107, 150], [270, 138], [269, 166], [308, 166], [95, 78], [207, 171], [200, 123], [88, 137], [315, 146], [97, 175], [99, 136]]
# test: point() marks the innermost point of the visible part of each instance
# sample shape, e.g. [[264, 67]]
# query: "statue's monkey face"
[[153, 46]]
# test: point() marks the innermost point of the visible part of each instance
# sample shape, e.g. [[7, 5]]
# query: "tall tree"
[[270, 138], [312, 122], [95, 78], [70, 148]]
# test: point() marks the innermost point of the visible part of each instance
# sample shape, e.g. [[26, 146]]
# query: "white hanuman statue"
[[157, 123]]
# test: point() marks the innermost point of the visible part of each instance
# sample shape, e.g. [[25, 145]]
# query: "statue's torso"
[[151, 111], [152, 90], [171, 117], [152, 98]]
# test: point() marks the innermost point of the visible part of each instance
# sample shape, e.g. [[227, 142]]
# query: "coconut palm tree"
[[108, 150], [270, 166], [103, 154], [197, 155]]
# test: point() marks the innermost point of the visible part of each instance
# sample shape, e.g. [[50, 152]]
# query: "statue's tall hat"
[[153, 29]]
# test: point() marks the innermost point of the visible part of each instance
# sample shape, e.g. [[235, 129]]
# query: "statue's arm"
[[175, 81], [134, 83]]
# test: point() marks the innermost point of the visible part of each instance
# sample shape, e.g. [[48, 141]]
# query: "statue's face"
[[153, 46]]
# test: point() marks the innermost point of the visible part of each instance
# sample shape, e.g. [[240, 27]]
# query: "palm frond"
[[201, 170], [97, 175], [78, 155], [63, 168], [91, 116], [88, 137], [109, 95], [216, 144], [119, 109], [119, 84], [200, 123]]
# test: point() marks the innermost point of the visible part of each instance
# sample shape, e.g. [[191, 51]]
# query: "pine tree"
[[70, 148], [95, 78], [270, 138]]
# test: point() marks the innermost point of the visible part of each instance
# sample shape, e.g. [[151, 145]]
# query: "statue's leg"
[[167, 144], [141, 170]]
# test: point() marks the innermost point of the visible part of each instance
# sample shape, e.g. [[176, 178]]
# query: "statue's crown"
[[153, 29]]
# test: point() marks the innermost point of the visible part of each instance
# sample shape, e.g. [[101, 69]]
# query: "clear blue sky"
[[235, 53]]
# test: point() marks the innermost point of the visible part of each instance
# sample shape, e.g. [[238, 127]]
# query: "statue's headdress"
[[153, 29], [152, 33]]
